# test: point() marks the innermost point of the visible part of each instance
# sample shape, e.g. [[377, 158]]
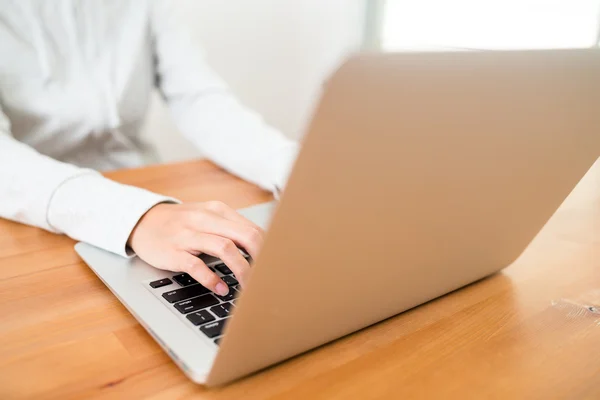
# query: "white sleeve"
[[61, 198], [207, 113]]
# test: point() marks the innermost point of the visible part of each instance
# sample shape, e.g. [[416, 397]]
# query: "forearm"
[[62, 198], [236, 138], [208, 113]]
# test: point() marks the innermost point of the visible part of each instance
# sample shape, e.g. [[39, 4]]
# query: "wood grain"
[[532, 331]]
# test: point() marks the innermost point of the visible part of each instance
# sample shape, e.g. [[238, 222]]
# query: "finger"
[[198, 270], [245, 236], [222, 209], [224, 249]]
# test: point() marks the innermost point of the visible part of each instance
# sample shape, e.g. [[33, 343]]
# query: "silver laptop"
[[420, 173]]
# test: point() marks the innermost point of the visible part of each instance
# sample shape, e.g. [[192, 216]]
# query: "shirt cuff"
[[101, 212], [282, 165]]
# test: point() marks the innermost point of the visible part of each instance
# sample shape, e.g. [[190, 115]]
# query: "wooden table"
[[531, 332]]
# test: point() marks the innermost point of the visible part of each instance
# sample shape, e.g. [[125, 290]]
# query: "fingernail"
[[222, 289]]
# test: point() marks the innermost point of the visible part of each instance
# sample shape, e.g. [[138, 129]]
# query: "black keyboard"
[[202, 308]]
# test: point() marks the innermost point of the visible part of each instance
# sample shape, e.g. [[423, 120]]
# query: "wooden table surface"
[[531, 332]]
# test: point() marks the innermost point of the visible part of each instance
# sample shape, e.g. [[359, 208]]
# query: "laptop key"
[[160, 283], [184, 280], [231, 295], [230, 280], [214, 329], [222, 310], [222, 268], [200, 317], [197, 303], [185, 293]]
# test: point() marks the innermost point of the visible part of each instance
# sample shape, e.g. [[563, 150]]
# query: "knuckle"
[[254, 235], [192, 216], [215, 206], [192, 266], [226, 246]]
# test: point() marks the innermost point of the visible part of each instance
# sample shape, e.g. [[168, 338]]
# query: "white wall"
[[274, 54], [489, 24]]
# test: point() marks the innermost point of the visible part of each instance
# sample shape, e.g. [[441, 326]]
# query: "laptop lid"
[[421, 173]]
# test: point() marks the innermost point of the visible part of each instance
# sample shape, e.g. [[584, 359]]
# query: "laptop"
[[420, 173]]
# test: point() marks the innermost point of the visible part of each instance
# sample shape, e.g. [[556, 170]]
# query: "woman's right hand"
[[171, 236]]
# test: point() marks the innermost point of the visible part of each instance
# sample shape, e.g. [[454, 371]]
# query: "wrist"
[[140, 224]]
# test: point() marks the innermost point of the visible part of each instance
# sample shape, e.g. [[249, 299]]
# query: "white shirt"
[[75, 81]]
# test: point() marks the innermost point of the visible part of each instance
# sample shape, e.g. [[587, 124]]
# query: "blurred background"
[[276, 54]]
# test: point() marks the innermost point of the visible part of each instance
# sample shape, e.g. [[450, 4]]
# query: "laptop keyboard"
[[202, 308]]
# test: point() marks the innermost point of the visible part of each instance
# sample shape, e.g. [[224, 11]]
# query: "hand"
[[171, 236]]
